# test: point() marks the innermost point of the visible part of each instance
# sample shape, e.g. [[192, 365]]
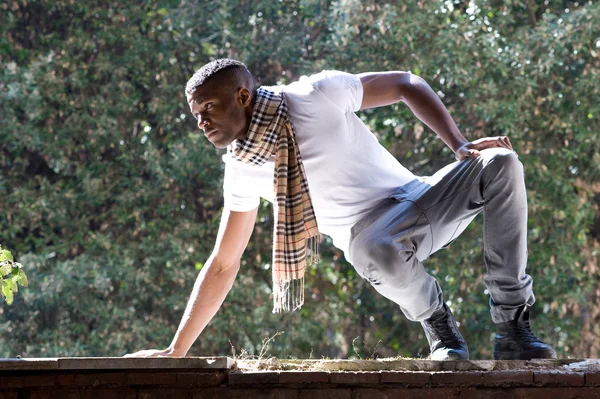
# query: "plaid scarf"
[[271, 132]]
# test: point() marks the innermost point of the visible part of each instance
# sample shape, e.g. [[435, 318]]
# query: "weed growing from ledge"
[[246, 362], [372, 352], [260, 362]]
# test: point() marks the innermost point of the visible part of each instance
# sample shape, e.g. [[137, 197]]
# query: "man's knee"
[[385, 259], [502, 162]]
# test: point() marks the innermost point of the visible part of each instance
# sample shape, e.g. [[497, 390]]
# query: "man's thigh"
[[450, 200], [430, 211], [392, 221]]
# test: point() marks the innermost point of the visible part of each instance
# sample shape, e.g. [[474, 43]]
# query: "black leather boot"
[[445, 341], [515, 340]]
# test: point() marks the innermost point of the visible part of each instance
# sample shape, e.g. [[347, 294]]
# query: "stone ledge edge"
[[116, 363], [309, 365]]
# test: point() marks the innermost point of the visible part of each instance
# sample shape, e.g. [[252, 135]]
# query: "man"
[[302, 147]]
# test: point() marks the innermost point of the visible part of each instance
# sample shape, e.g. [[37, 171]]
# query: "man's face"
[[222, 112]]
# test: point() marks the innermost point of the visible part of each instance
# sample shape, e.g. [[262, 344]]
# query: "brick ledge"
[[212, 378]]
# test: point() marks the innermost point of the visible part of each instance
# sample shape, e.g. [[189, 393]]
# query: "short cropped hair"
[[238, 74]]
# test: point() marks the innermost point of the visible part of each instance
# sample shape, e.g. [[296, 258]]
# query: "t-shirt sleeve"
[[343, 89], [238, 194]]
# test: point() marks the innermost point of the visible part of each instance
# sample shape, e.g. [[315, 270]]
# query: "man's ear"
[[244, 96]]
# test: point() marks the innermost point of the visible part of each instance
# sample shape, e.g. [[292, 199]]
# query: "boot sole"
[[526, 355], [451, 356], [458, 357]]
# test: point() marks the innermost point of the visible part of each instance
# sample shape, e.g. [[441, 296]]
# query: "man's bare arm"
[[384, 88], [213, 283]]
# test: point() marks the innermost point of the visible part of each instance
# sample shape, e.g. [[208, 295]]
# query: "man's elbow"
[[223, 264], [409, 83]]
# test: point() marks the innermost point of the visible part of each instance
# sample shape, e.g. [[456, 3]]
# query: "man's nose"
[[203, 122]]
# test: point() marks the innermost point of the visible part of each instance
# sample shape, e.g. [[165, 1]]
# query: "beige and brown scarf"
[[296, 235]]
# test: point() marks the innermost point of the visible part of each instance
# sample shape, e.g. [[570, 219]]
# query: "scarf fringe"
[[312, 246], [288, 296]]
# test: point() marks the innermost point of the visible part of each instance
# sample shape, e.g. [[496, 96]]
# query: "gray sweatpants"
[[390, 243]]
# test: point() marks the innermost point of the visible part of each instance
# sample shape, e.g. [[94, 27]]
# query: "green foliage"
[[11, 275], [113, 198]]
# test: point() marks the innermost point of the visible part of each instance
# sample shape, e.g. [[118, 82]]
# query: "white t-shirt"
[[348, 171]]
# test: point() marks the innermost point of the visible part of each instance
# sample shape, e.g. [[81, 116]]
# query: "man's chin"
[[220, 141], [219, 144]]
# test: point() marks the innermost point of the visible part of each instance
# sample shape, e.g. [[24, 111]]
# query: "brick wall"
[[178, 379]]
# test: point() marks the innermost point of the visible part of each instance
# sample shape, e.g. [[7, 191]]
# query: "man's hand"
[[471, 150], [153, 353]]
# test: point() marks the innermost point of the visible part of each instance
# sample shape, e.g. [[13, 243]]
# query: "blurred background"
[[110, 197]]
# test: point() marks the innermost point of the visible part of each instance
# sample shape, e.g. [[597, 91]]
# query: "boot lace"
[[445, 330], [522, 330]]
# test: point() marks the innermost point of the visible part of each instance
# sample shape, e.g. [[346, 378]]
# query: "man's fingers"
[[136, 354], [472, 149], [508, 144], [492, 142], [503, 143], [486, 142], [151, 353], [143, 353], [499, 142]]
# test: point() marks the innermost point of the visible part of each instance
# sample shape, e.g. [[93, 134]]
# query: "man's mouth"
[[210, 133]]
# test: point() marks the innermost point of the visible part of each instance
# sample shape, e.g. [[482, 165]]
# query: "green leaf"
[[8, 295], [6, 255], [23, 278], [5, 268], [11, 285]]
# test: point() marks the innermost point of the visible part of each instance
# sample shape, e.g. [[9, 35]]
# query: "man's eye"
[[209, 106]]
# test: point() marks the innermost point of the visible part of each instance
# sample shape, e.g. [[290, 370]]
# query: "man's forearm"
[[211, 288], [428, 107]]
